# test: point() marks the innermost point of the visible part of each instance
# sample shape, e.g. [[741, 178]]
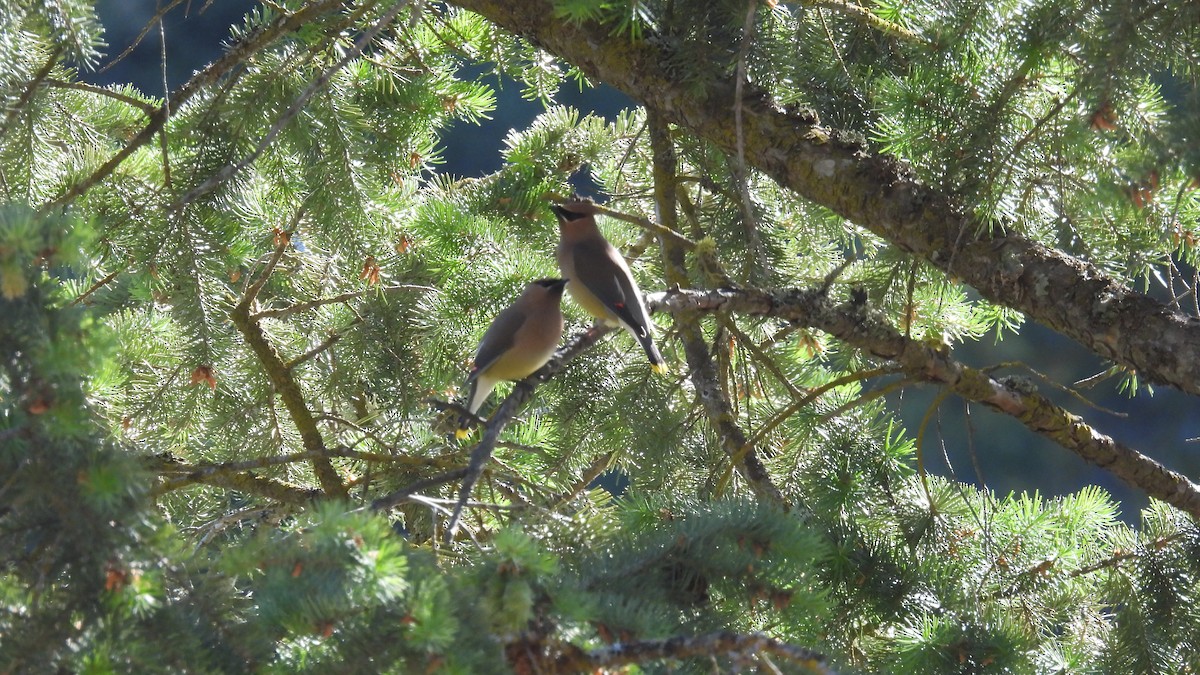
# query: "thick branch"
[[1068, 295], [248, 482], [195, 473], [853, 325]]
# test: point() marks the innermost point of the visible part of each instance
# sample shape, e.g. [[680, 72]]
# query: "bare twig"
[[934, 406], [30, 87], [1046, 567], [393, 498], [223, 523], [283, 239], [313, 304], [647, 225], [598, 466], [162, 134], [156, 19], [794, 408], [147, 108], [325, 344], [1070, 391], [98, 285], [836, 272], [743, 176], [761, 357], [864, 15], [837, 53]]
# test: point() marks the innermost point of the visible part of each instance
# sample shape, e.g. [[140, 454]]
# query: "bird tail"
[[657, 363], [481, 388]]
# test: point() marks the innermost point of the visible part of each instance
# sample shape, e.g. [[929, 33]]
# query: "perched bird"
[[600, 280], [521, 339]]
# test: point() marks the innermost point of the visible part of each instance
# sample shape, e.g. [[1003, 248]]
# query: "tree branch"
[[703, 371], [98, 285], [853, 325], [508, 409], [147, 108], [32, 86], [393, 498], [1050, 568], [248, 482], [196, 472], [325, 344], [842, 174], [313, 304], [647, 225], [283, 382], [226, 172], [866, 16]]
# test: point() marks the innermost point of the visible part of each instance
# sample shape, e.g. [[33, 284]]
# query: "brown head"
[[576, 219], [545, 290]]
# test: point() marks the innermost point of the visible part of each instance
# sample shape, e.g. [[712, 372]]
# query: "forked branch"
[[284, 383]]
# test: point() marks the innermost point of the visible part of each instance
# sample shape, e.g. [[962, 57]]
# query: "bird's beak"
[[564, 215]]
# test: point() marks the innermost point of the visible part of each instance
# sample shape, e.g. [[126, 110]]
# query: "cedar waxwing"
[[521, 339], [601, 281]]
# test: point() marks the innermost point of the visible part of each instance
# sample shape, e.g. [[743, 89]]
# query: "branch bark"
[[247, 482], [701, 367], [281, 378], [855, 326], [829, 168]]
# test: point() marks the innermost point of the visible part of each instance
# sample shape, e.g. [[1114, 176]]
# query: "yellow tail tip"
[[660, 368], [460, 434]]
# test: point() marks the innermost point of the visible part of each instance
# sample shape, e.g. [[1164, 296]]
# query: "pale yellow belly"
[[519, 366], [591, 304]]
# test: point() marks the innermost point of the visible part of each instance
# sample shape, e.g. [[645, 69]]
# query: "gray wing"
[[597, 267], [497, 339]]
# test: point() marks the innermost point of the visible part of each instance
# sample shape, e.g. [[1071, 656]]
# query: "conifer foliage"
[[234, 318]]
